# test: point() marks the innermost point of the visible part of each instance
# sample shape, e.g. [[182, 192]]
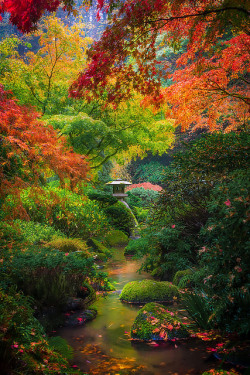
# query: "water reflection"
[[103, 346]]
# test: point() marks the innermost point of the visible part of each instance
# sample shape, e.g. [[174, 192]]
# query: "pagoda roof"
[[119, 182]]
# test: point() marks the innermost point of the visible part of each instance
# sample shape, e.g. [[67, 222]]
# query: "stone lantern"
[[119, 188]]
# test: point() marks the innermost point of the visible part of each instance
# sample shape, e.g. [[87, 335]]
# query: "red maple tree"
[[29, 149]]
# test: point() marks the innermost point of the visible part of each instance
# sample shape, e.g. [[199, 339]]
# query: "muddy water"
[[103, 346]]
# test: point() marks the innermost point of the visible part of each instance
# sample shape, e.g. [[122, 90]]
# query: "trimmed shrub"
[[156, 322], [116, 238], [149, 291], [120, 217], [68, 245], [103, 198]]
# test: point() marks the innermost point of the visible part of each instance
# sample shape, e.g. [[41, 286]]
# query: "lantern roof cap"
[[119, 181]]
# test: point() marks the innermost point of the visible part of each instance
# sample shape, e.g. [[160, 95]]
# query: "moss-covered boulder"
[[116, 238], [102, 252], [149, 291], [180, 274], [155, 322]]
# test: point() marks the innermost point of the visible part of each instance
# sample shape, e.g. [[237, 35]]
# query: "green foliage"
[[200, 222], [103, 253], [155, 322], [141, 197], [34, 233], [61, 346], [152, 172], [23, 345], [226, 252], [199, 309], [180, 274], [48, 275], [141, 214], [116, 238], [149, 291], [103, 198], [68, 212], [136, 247], [120, 217], [68, 245]]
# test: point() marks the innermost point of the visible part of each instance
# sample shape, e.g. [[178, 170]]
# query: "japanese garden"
[[124, 187]]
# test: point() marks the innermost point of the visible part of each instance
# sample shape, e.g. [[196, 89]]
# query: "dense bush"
[[23, 345], [200, 222], [140, 197], [120, 217], [68, 245], [152, 172], [225, 253], [103, 198], [33, 232], [68, 212], [116, 238], [48, 275]]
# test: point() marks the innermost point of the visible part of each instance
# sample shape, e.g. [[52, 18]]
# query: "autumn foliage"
[[30, 150]]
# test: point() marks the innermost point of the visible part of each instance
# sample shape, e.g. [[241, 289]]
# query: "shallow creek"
[[103, 345]]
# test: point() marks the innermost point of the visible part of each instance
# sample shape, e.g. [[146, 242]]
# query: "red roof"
[[145, 185]]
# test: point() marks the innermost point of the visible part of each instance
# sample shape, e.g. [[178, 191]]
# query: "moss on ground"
[[149, 291], [155, 322], [116, 238]]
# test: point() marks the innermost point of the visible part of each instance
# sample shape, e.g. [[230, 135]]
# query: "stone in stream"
[[155, 323], [149, 291]]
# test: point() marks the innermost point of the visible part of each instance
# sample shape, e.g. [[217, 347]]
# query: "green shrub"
[[35, 232], [141, 214], [156, 322], [180, 274], [23, 345], [73, 214], [140, 197], [199, 309], [225, 254], [48, 275], [116, 238], [149, 291], [68, 245], [151, 172], [120, 217], [102, 251], [103, 198]]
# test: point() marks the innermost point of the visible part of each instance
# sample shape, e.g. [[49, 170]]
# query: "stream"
[[103, 346]]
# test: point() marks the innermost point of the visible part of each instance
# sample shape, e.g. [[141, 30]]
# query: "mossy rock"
[[103, 253], [116, 238], [180, 274], [149, 291], [155, 323]]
